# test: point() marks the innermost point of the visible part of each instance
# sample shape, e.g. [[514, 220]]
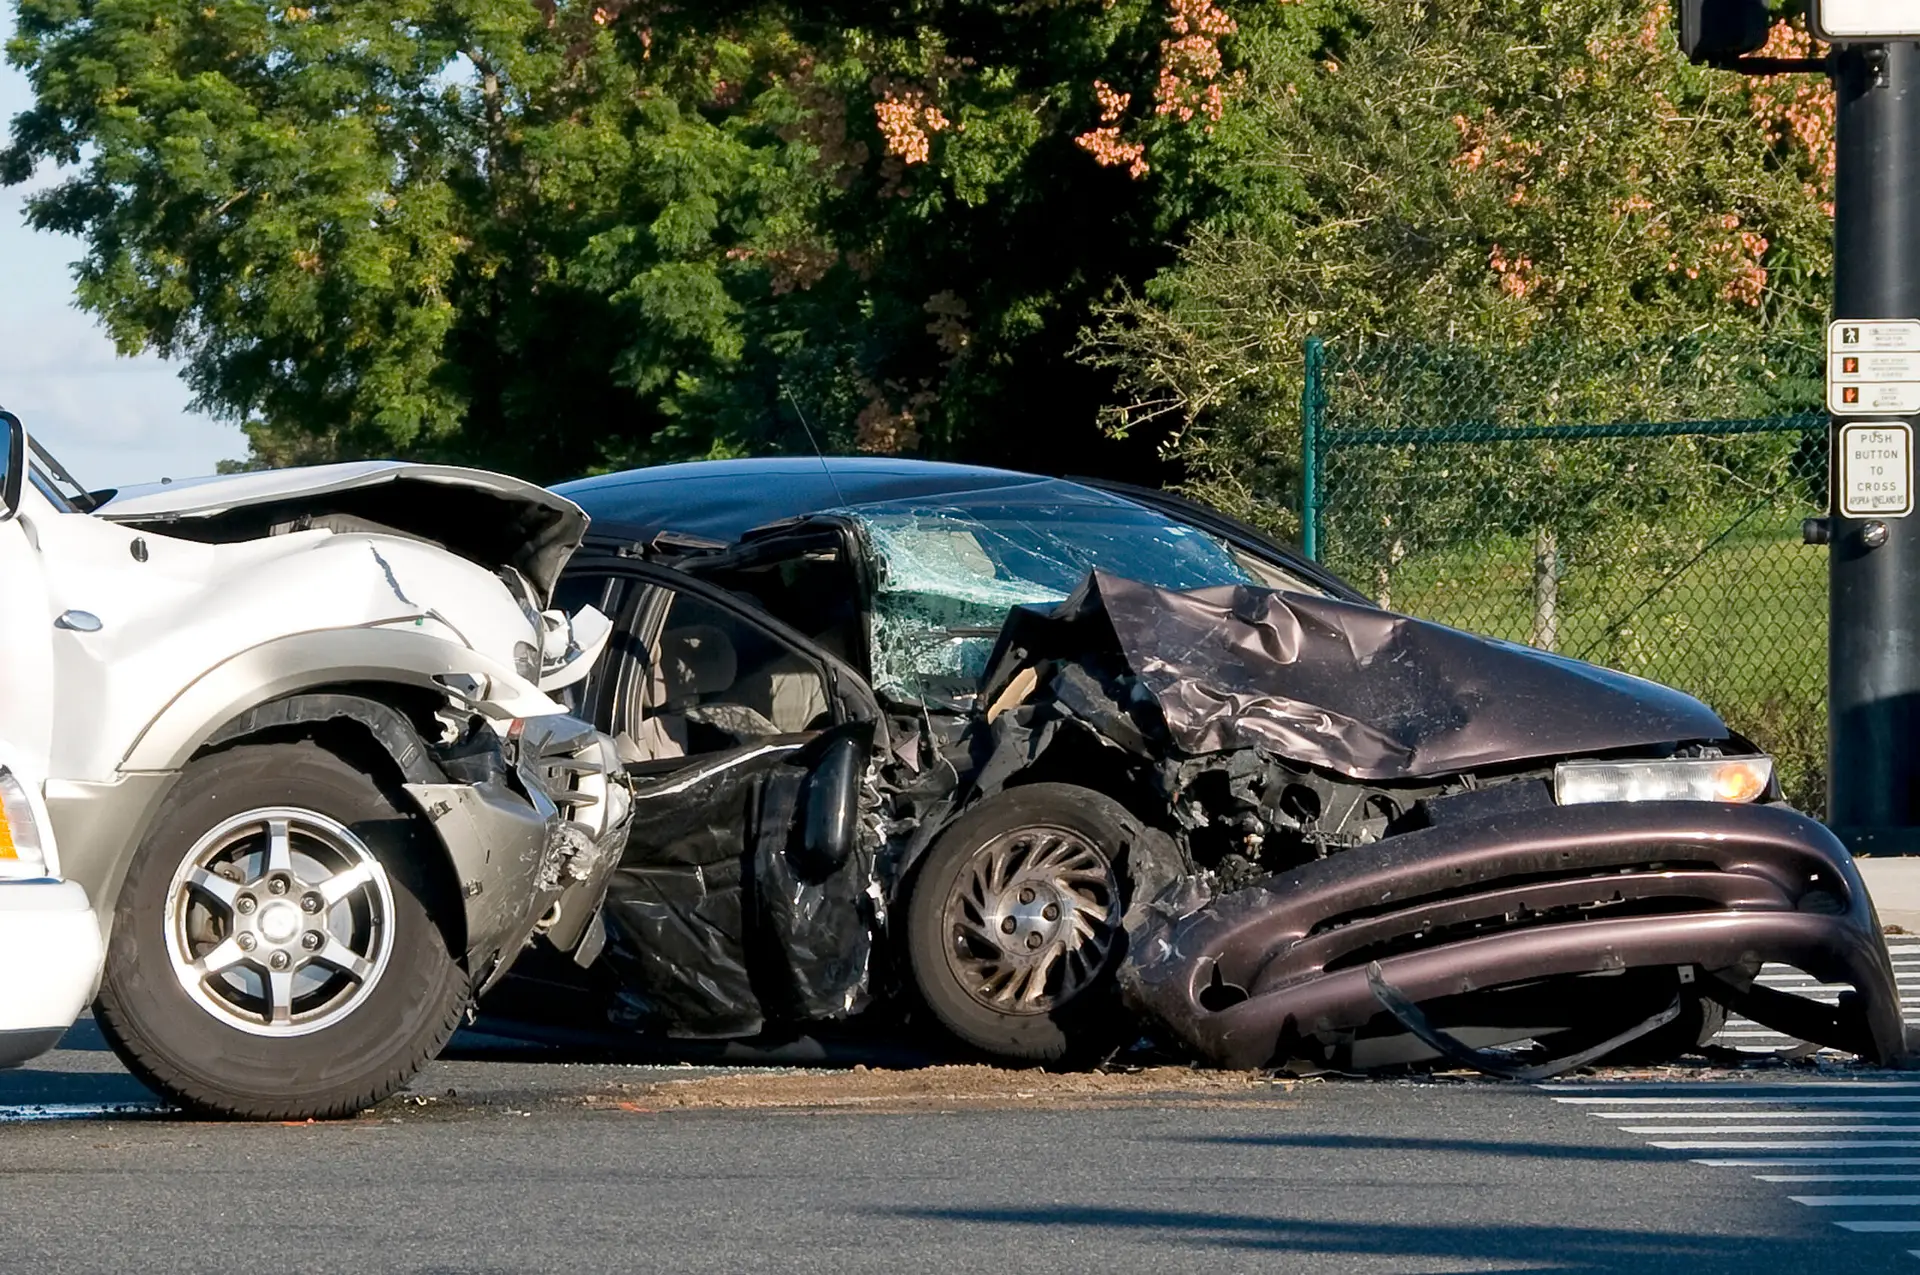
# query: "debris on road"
[[948, 1088]]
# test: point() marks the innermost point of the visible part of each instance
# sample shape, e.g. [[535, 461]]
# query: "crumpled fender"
[[1279, 970], [521, 863]]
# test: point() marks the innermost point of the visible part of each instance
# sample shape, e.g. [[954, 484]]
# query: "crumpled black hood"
[[1351, 688]]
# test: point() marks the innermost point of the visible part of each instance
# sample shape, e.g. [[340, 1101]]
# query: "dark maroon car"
[[1053, 762]]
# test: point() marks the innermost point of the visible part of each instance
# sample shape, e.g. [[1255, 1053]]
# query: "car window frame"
[[593, 689], [768, 543], [644, 613]]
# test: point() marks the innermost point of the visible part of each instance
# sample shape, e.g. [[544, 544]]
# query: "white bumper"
[[49, 964]]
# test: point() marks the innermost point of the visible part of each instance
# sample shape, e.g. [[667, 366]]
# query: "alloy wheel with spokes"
[[1032, 919], [279, 921], [286, 942]]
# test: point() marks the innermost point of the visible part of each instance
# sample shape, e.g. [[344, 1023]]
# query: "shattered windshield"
[[948, 572]]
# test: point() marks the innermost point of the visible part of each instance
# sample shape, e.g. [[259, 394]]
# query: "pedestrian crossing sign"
[[1866, 20]]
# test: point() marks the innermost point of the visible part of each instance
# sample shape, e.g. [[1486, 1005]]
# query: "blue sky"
[[111, 420]]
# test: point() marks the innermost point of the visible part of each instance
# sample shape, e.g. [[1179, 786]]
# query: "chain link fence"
[[1535, 494]]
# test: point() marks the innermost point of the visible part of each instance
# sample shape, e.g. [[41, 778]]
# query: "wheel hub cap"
[[279, 922], [1031, 920]]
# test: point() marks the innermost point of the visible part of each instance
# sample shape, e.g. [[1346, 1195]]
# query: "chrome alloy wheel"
[[279, 922], [1031, 920]]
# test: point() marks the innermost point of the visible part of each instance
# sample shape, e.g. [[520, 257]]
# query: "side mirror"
[[1720, 31], [830, 810], [15, 456]]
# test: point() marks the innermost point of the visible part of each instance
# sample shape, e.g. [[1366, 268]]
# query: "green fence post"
[[1312, 404]]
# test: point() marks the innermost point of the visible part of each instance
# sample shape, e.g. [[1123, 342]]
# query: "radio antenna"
[[815, 444]]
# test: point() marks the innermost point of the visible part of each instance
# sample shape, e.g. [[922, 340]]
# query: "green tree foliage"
[[551, 235], [1548, 190], [1507, 214]]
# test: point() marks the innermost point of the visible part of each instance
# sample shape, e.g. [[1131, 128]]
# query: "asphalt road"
[[493, 1165]]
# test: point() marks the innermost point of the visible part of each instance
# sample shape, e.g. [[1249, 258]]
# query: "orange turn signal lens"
[[19, 834], [1741, 781]]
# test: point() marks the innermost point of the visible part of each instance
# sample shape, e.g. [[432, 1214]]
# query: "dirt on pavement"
[[949, 1088]]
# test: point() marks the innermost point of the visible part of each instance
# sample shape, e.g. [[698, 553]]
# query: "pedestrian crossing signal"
[[1717, 32]]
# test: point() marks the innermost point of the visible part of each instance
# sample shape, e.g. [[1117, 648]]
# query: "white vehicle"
[[300, 751], [49, 938]]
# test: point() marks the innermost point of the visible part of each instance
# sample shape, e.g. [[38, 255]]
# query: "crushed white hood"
[[487, 517]]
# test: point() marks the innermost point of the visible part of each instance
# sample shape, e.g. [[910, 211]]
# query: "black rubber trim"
[[388, 726], [1495, 1064]]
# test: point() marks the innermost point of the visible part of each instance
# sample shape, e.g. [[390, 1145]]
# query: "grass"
[[1743, 627]]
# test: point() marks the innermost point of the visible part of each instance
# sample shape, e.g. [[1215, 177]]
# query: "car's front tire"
[[275, 952], [1014, 922]]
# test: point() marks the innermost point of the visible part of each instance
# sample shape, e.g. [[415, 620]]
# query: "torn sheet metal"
[[676, 906], [531, 845], [712, 927], [496, 840], [1349, 688]]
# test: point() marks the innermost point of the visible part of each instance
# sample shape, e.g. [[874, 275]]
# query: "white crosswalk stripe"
[[1750, 1037], [1846, 1149]]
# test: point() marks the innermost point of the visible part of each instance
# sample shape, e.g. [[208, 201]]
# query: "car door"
[[739, 735], [26, 628]]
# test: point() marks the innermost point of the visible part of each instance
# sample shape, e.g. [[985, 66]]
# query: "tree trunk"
[[1546, 591]]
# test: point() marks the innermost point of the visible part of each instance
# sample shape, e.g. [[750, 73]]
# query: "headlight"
[[526, 661], [1579, 783], [21, 853], [523, 596]]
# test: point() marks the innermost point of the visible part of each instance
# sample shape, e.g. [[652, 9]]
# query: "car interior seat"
[[688, 664]]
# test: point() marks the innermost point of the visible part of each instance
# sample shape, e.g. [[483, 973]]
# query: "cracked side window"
[[946, 576]]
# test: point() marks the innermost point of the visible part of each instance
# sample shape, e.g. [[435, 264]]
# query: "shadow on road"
[[498, 1039], [1377, 1142], [100, 1081], [1539, 1248], [28, 1087]]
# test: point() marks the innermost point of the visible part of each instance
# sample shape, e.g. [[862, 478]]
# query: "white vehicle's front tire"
[[275, 953]]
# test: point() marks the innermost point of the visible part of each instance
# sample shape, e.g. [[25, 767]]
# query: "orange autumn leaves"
[[1718, 248], [1189, 84]]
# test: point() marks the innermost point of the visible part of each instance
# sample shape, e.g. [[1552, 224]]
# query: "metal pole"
[[1311, 405], [1873, 654]]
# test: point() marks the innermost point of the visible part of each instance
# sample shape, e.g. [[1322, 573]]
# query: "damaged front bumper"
[[534, 828], [1473, 909]]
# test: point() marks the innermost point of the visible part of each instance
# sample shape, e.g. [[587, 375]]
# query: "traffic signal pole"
[[1873, 652], [1873, 394]]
